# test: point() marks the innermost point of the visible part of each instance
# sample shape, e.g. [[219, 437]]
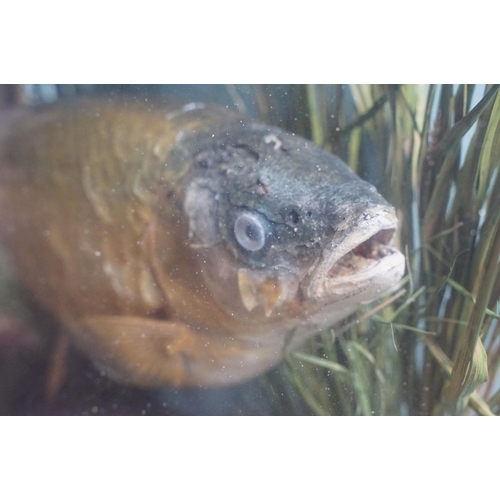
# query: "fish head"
[[285, 231]]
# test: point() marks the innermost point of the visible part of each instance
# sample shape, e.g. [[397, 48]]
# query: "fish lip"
[[385, 270]]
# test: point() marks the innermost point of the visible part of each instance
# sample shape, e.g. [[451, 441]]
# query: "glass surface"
[[431, 151]]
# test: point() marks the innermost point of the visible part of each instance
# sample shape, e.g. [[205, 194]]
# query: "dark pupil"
[[252, 232]]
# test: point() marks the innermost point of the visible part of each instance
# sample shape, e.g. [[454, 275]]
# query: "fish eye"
[[249, 232]]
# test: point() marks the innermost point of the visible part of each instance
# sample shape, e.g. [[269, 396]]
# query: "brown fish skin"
[[187, 245]]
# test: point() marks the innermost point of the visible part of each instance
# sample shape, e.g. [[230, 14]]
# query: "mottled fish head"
[[284, 229]]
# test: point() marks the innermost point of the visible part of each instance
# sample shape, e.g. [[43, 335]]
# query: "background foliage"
[[431, 347]]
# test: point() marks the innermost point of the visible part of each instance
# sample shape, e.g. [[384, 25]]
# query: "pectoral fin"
[[141, 351], [260, 290]]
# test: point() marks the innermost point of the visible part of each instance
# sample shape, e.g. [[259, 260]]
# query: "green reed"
[[431, 346]]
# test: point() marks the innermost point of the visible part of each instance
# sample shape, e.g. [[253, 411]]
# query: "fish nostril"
[[293, 217]]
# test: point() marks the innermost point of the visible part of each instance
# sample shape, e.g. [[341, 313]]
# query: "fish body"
[[187, 245]]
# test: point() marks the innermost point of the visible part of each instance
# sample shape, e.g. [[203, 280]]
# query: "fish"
[[187, 244]]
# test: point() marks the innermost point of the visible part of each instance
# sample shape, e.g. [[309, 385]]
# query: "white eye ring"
[[249, 232]]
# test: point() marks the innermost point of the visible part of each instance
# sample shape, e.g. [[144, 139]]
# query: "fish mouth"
[[363, 263]]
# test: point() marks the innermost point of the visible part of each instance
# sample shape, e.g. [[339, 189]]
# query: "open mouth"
[[364, 255], [363, 263]]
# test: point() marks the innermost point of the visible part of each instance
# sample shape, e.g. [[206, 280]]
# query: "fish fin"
[[146, 352], [258, 290], [153, 353], [248, 287], [273, 295], [58, 367]]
